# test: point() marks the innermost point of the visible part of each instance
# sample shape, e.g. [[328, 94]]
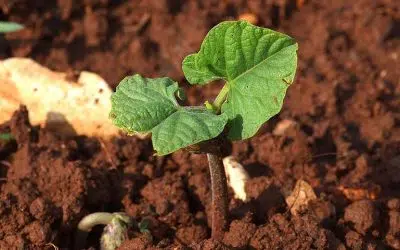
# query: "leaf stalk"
[[217, 104]]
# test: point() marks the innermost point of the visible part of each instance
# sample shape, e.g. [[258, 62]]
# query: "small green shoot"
[[144, 226], [10, 27], [257, 65], [6, 137]]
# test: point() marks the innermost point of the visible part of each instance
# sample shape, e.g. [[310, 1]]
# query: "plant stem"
[[91, 220], [86, 225], [219, 192], [221, 98]]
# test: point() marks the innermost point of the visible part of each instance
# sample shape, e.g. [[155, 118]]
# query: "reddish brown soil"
[[345, 101]]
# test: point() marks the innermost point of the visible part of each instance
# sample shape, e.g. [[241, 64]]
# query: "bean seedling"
[[115, 231], [257, 65]]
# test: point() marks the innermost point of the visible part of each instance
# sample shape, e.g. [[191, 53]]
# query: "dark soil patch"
[[345, 101]]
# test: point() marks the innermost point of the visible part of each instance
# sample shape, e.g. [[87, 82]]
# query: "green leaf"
[[186, 127], [10, 27], [258, 64], [140, 104], [149, 105]]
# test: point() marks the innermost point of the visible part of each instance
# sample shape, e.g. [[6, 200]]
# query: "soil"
[[346, 142]]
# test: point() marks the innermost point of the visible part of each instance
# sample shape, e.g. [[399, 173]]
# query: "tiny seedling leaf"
[[6, 137], [144, 226], [149, 105], [10, 27], [258, 65]]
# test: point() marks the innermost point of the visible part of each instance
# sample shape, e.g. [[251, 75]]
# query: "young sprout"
[[257, 65], [144, 226], [10, 27], [6, 137], [114, 233]]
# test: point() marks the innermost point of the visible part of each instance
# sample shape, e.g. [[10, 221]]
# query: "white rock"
[[299, 198], [237, 177], [282, 126], [53, 101]]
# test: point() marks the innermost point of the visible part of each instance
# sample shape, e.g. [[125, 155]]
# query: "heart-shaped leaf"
[[149, 105], [258, 65]]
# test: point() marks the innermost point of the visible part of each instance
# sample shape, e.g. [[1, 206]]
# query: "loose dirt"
[[345, 144]]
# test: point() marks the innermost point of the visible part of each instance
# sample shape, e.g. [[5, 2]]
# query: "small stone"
[[370, 191], [237, 177], [323, 210], [282, 126], [353, 240], [393, 241], [38, 208], [249, 17], [394, 222], [44, 210], [394, 204], [141, 242], [239, 234], [95, 26], [163, 207], [302, 194], [209, 244], [362, 214], [383, 73], [148, 170], [38, 234]]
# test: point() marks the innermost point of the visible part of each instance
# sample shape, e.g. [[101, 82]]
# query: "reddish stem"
[[219, 191]]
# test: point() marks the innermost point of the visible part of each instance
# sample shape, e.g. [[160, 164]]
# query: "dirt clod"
[[362, 214], [239, 234], [299, 233], [192, 234], [139, 243], [302, 194]]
